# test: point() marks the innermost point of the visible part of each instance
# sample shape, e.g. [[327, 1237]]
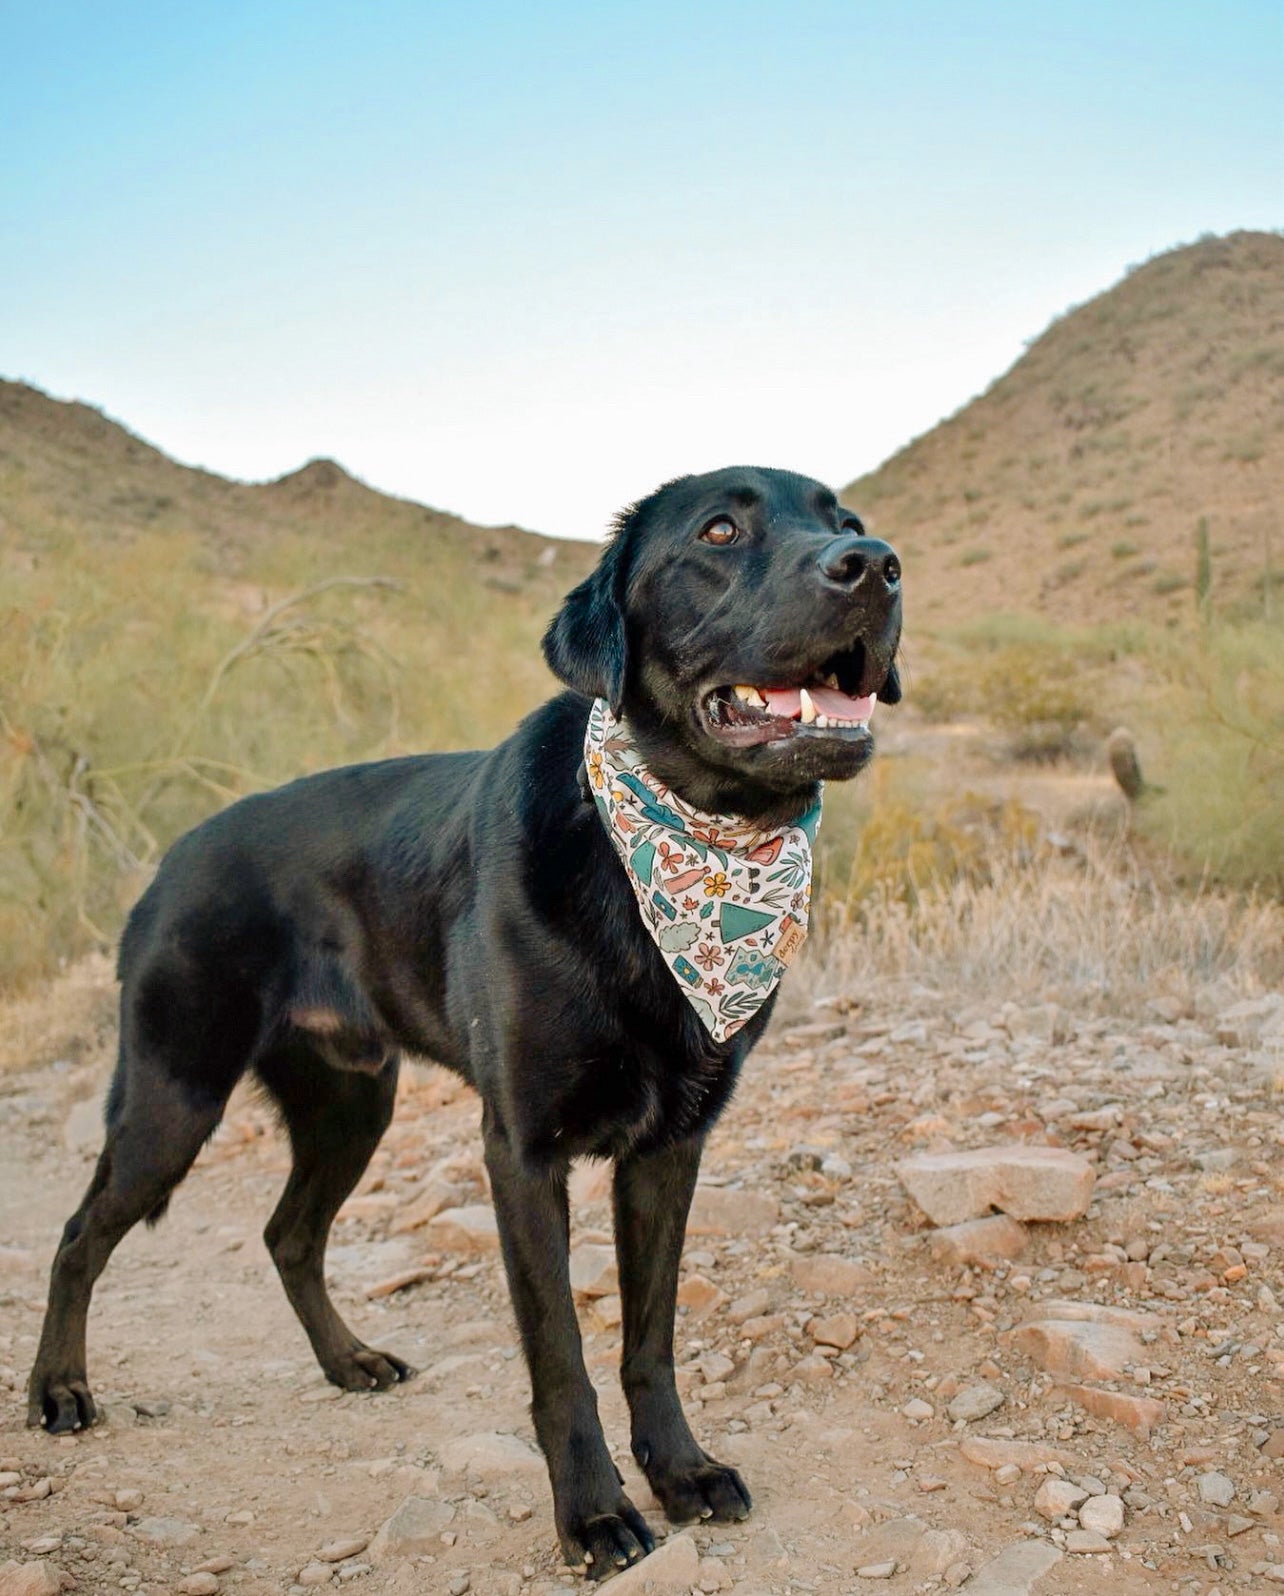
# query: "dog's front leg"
[[652, 1197], [596, 1522]]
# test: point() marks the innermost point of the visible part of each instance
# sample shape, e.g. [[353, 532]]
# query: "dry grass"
[[1093, 930]]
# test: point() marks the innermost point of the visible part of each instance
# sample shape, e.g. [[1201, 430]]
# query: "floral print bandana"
[[726, 904]]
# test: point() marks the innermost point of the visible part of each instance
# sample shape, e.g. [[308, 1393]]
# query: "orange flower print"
[[690, 903], [714, 987], [670, 857], [713, 837], [596, 774], [715, 886]]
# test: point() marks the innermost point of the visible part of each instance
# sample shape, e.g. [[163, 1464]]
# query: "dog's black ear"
[[585, 644]]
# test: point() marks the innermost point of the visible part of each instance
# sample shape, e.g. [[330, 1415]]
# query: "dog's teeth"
[[832, 681], [823, 721], [808, 708], [750, 695]]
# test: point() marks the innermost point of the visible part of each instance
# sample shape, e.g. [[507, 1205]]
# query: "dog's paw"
[[365, 1369], [60, 1403], [707, 1490], [607, 1542]]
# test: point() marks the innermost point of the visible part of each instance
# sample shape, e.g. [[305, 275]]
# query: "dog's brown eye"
[[721, 533]]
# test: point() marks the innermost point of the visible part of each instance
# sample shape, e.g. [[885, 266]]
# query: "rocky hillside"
[[1073, 486]]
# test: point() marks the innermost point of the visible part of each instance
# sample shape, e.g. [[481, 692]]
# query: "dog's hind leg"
[[335, 1118], [652, 1196], [156, 1126]]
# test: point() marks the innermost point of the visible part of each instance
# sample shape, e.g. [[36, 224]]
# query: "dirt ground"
[[868, 1373]]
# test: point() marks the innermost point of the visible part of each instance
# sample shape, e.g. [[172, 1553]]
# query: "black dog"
[[471, 908]]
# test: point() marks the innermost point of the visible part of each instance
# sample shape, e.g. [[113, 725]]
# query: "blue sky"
[[525, 262]]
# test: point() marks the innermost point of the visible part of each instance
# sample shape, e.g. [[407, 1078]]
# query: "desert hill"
[[1074, 485]]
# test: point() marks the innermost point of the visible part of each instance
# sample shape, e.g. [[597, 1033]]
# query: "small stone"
[[749, 1306], [1055, 1498], [700, 1295], [1082, 1540], [1104, 1515], [1216, 1489], [199, 1585], [829, 1275], [835, 1330], [128, 1500], [1015, 1570], [151, 1407], [471, 1229], [1079, 1351], [1046, 1183], [957, 1574], [1138, 1414], [714, 1576], [883, 1570], [594, 1272], [459, 1584], [813, 1370], [978, 1241], [724, 1211], [315, 1574], [990, 1452], [671, 1570], [399, 1282], [975, 1402], [918, 1411], [1008, 1474], [413, 1530], [336, 1551], [29, 1579]]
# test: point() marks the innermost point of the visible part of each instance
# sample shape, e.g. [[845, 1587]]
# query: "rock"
[[1082, 1540], [1082, 1351], [459, 1584], [883, 1570], [1245, 1024], [766, 1324], [975, 1402], [1138, 1414], [1056, 1498], [1216, 1489], [1104, 1515], [978, 1241], [336, 1551], [414, 1529], [714, 1576], [918, 1411], [995, 1453], [165, 1531], [1093, 1312], [315, 1574], [834, 1330], [750, 1306], [469, 1229], [830, 1275], [128, 1500], [493, 1455], [724, 1211], [1015, 1571], [671, 1570], [1045, 1183], [813, 1370], [398, 1282], [590, 1182], [151, 1407], [436, 1196], [29, 1579], [204, 1584], [593, 1270], [700, 1296]]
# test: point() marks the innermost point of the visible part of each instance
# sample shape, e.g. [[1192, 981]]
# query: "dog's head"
[[743, 623]]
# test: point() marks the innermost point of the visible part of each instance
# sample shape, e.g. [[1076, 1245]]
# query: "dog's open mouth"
[[828, 704]]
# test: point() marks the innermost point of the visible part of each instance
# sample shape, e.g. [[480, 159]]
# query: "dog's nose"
[[851, 561]]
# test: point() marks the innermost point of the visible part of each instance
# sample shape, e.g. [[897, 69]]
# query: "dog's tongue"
[[786, 702]]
